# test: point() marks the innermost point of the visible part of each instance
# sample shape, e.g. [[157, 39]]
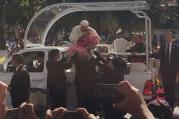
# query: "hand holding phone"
[[12, 113], [72, 115], [107, 93]]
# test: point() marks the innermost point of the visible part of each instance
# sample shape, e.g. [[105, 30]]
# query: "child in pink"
[[84, 45]]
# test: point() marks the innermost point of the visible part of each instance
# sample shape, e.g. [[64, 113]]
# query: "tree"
[[162, 14], [16, 12]]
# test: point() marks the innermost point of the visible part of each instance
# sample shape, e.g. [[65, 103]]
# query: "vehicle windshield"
[[43, 28], [40, 24]]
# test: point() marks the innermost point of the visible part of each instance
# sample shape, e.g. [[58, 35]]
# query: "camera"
[[72, 115], [107, 93]]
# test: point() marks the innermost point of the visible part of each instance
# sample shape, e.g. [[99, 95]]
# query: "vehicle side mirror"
[[1, 68]]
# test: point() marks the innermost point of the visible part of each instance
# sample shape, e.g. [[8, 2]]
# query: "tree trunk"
[[2, 40]]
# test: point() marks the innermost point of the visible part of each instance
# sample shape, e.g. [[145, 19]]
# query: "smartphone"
[[107, 93], [72, 115], [12, 113]]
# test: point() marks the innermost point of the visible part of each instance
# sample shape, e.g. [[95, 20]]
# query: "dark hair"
[[40, 54], [160, 108], [170, 32], [53, 53], [119, 63], [18, 58]]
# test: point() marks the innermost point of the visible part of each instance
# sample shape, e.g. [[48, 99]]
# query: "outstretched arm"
[[133, 102]]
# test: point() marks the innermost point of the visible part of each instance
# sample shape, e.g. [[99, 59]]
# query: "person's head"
[[137, 38], [18, 47], [168, 37], [91, 42], [84, 25], [54, 54], [161, 109], [40, 57], [17, 59]]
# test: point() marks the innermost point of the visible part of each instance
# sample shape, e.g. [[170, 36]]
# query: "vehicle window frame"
[[26, 62], [33, 58]]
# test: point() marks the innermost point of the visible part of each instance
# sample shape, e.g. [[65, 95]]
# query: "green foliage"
[[163, 15], [23, 3], [18, 11], [13, 12]]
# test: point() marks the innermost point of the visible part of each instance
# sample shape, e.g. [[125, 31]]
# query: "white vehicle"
[[38, 77], [140, 72], [49, 15]]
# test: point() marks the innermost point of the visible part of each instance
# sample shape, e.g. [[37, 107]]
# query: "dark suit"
[[19, 87], [169, 71], [85, 80], [56, 82]]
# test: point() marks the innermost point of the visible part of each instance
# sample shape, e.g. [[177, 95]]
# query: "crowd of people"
[[133, 98], [79, 55], [14, 40], [85, 60]]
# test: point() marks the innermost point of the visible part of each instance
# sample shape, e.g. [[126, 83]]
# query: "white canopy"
[[41, 22]]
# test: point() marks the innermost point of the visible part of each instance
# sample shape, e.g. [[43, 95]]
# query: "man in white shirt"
[[80, 30]]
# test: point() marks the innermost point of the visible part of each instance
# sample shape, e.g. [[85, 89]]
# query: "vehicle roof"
[[51, 14]]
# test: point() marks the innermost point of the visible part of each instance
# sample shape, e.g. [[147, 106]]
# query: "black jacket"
[[56, 77], [173, 66], [20, 86]]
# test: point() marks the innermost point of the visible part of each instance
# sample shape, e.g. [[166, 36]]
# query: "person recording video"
[[113, 72]]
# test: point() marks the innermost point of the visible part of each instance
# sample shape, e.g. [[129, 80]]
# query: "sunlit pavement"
[[2, 59]]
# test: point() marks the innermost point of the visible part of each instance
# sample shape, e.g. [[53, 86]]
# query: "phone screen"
[[12, 113], [107, 93], [72, 115]]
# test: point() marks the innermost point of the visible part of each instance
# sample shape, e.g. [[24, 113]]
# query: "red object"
[[160, 93], [148, 87]]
